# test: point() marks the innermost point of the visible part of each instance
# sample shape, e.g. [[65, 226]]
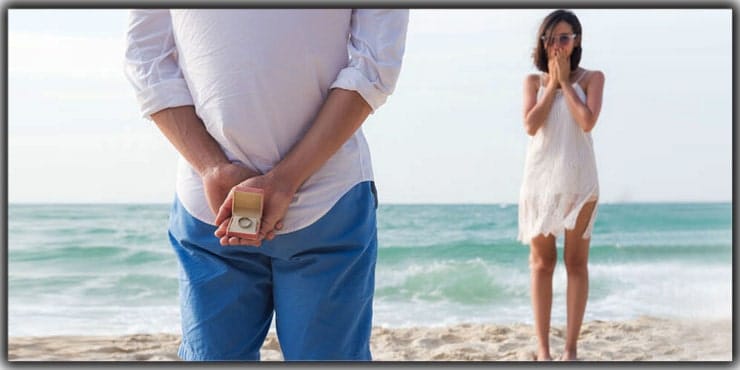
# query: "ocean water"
[[109, 269]]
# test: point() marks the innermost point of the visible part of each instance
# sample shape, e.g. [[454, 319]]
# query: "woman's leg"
[[576, 263], [542, 259]]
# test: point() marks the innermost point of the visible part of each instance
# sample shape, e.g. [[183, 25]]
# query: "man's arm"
[[150, 62], [341, 115], [185, 130], [188, 135]]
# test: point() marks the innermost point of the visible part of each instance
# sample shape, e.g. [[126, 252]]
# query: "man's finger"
[[250, 242], [225, 210], [222, 228], [236, 241], [267, 226]]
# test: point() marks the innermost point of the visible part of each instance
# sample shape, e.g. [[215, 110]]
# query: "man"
[[270, 99]]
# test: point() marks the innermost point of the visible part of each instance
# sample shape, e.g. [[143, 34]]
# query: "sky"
[[451, 133]]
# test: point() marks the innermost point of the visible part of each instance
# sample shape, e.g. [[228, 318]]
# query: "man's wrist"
[[286, 178], [211, 169]]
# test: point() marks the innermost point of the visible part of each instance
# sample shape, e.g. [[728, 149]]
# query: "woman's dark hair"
[[540, 54]]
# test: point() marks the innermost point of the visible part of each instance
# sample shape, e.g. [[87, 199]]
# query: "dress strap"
[[585, 72]]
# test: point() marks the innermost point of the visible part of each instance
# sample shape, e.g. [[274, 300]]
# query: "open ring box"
[[246, 203]]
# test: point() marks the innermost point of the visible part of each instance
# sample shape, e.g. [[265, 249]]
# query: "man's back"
[[257, 79]]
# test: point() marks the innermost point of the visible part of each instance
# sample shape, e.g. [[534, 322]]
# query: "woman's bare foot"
[[543, 356], [569, 356]]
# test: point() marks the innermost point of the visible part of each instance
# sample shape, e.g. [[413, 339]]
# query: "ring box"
[[246, 204]]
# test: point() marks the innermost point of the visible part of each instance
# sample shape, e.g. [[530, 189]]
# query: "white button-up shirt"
[[257, 79]]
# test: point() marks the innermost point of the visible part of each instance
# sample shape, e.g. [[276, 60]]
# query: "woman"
[[560, 187]]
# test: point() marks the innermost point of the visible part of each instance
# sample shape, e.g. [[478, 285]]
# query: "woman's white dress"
[[559, 173]]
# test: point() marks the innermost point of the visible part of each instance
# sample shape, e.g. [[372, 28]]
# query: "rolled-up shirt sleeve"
[[151, 62], [376, 46]]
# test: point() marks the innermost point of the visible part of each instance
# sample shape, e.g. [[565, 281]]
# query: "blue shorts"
[[319, 282]]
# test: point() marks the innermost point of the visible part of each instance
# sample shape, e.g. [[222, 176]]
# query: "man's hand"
[[218, 181], [277, 197], [340, 116]]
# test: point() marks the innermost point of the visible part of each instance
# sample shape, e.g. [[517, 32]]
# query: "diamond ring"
[[245, 222]]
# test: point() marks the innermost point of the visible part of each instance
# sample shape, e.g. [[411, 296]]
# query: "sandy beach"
[[641, 339]]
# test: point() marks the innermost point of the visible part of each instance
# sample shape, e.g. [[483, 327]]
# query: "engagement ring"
[[245, 222]]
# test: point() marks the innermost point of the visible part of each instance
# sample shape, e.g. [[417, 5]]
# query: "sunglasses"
[[562, 40]]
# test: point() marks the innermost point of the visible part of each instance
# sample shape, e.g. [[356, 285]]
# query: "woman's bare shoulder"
[[533, 77], [590, 77], [532, 80], [593, 75]]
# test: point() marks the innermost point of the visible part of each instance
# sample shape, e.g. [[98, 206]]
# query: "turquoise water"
[[109, 269]]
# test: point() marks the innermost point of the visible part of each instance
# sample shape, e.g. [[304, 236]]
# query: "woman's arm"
[[535, 112], [586, 114]]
